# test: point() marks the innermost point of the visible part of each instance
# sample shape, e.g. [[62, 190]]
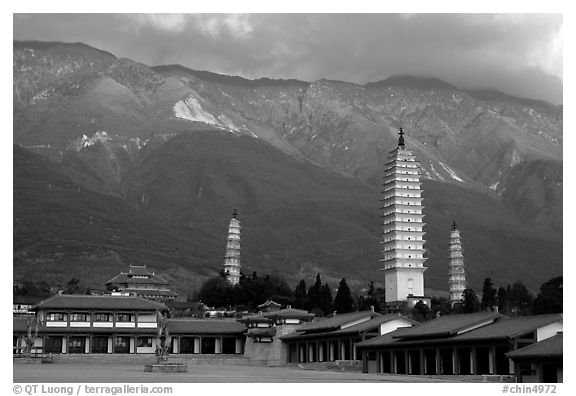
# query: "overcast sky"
[[518, 54]]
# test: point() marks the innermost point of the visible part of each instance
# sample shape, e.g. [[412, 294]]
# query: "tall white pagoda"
[[402, 237], [232, 258], [456, 273]]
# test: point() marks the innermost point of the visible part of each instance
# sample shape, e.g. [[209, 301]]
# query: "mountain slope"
[[316, 149]]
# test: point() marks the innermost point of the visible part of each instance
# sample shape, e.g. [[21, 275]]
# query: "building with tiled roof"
[[540, 362], [141, 282], [264, 332], [457, 344], [335, 338], [81, 324]]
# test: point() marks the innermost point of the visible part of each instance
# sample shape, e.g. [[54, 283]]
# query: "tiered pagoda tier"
[[232, 258], [402, 238], [456, 272]]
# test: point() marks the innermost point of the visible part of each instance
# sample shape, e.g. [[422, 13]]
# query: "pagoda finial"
[[454, 225], [235, 214], [401, 138]]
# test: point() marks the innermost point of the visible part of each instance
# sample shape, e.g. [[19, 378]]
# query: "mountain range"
[[116, 162]]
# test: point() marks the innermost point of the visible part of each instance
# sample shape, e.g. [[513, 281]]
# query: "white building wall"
[[388, 327], [548, 331]]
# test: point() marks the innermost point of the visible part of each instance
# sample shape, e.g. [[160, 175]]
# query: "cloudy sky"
[[520, 54]]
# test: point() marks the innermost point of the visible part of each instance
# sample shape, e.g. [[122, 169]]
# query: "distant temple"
[[142, 283], [232, 258], [456, 273], [403, 238]]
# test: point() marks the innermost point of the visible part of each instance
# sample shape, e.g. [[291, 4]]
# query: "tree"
[[372, 299], [73, 286], [503, 303], [489, 295], [421, 312], [314, 295], [326, 302], [300, 295], [549, 300], [214, 292], [343, 302], [520, 300], [470, 304], [440, 306]]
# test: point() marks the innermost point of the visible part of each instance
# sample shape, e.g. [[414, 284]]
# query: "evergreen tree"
[[471, 303], [300, 295], [503, 303], [489, 295], [549, 300], [327, 303], [343, 302], [314, 296]]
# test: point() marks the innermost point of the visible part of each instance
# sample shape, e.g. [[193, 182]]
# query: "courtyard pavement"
[[197, 373]]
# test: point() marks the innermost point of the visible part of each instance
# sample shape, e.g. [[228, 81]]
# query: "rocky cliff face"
[[107, 121]]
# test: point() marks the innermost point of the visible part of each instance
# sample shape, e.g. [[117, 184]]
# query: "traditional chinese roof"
[[550, 347], [257, 318], [337, 321], [449, 325], [270, 304], [368, 325], [138, 274], [502, 328], [289, 313], [205, 326], [151, 292], [73, 301], [267, 332]]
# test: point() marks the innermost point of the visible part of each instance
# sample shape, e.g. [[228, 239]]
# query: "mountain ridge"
[[104, 119]]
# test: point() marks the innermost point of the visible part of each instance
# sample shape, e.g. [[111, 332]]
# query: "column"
[[438, 362], [238, 348], [473, 368], [492, 360], [197, 344], [218, 345], [88, 343], [132, 345], [422, 363], [330, 351], [455, 361], [342, 350], [110, 344], [353, 349], [65, 344], [321, 352]]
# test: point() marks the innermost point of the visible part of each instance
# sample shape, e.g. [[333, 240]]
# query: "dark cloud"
[[519, 54]]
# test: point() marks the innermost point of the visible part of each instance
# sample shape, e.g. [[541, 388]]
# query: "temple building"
[[403, 238], [140, 282], [456, 273], [232, 258]]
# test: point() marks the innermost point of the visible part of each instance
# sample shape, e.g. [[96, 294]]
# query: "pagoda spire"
[[232, 257], [456, 272], [401, 139]]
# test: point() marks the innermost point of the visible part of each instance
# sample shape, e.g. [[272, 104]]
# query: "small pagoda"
[[232, 257], [456, 272]]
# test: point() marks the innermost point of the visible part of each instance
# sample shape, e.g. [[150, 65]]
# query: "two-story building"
[[78, 324]]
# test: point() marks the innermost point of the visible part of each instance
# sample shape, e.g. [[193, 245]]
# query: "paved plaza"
[[200, 373]]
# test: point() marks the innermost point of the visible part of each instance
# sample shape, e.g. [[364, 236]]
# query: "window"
[[103, 317], [79, 317], [124, 317], [144, 342], [57, 317], [410, 283]]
